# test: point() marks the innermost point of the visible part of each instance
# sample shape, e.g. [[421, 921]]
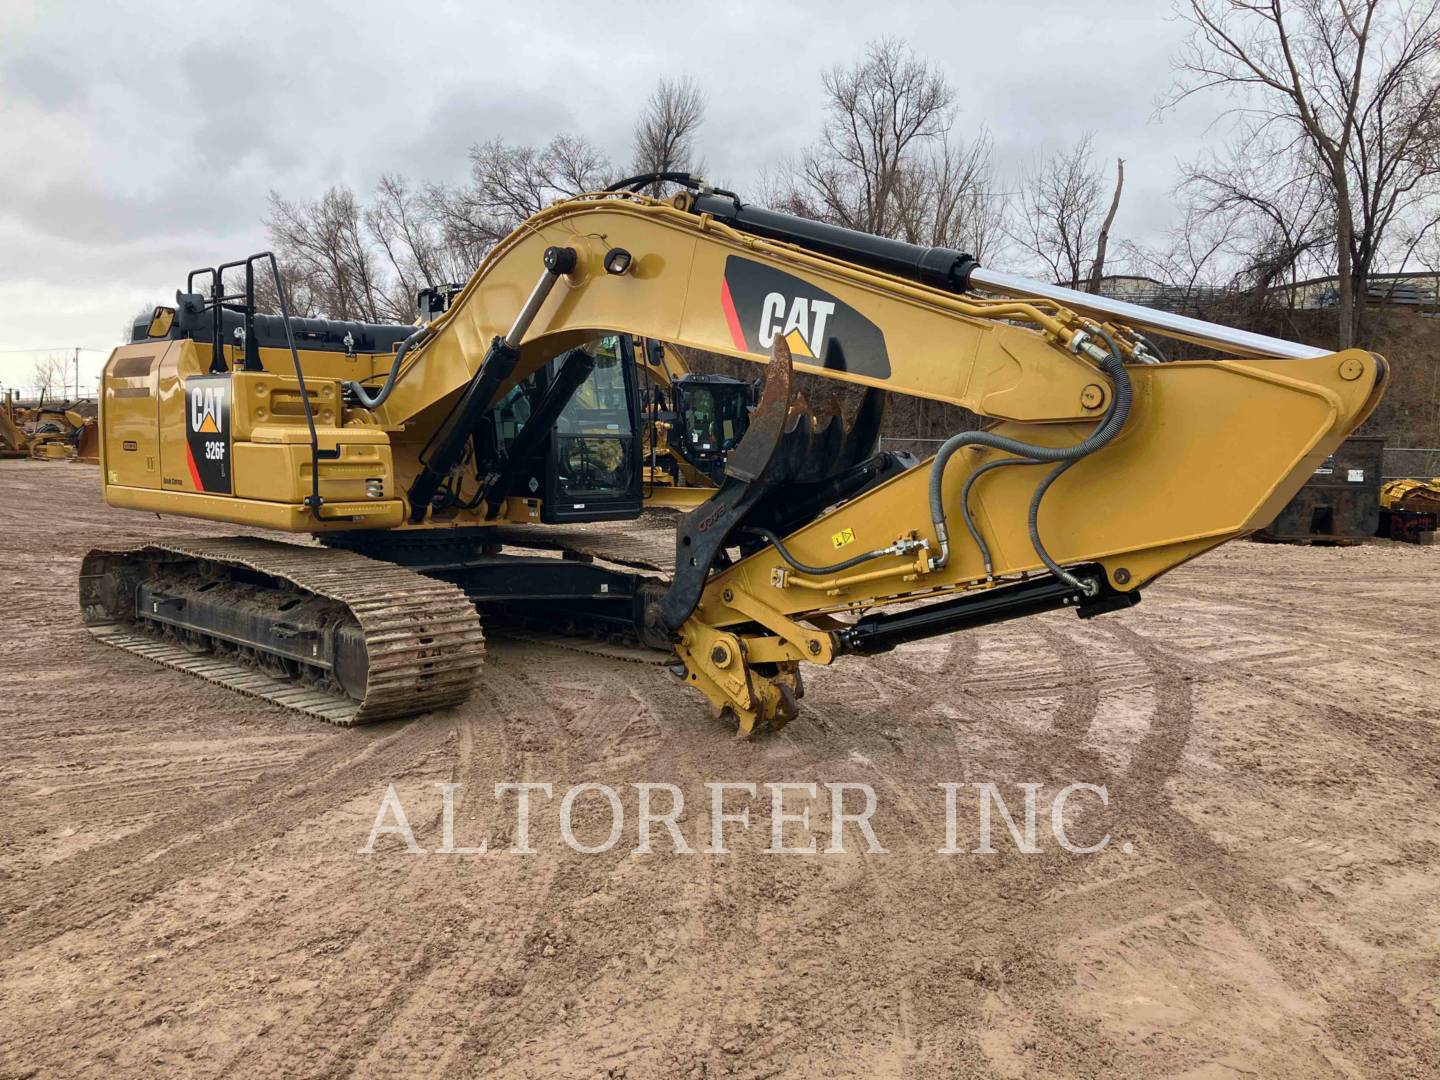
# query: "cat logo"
[[207, 440], [805, 322], [761, 302], [205, 409]]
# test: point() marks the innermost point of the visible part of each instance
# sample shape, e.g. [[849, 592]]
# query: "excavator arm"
[[1197, 453]]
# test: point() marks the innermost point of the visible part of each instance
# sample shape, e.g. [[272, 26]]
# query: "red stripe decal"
[[736, 334], [194, 472]]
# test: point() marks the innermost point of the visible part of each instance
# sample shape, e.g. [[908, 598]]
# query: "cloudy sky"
[[139, 140]]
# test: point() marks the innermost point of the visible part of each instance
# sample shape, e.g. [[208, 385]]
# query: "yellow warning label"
[[843, 537]]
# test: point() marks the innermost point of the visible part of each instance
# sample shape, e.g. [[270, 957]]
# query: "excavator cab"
[[594, 458], [712, 413], [588, 468]]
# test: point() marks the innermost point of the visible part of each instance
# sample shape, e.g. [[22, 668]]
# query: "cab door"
[[593, 471]]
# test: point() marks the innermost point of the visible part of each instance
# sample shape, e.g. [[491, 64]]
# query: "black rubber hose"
[[1110, 425], [684, 179], [634, 183], [1149, 343], [965, 515], [802, 568], [363, 399]]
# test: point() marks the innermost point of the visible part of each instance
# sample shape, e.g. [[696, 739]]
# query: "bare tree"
[[509, 183], [1097, 269], [945, 197], [327, 249], [48, 376], [1194, 260], [1349, 89], [1058, 219], [666, 131], [414, 249], [1281, 227], [883, 111]]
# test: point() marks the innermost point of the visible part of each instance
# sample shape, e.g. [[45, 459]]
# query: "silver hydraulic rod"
[[1197, 331], [532, 307]]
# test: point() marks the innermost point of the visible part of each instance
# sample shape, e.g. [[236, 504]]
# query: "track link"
[[423, 641]]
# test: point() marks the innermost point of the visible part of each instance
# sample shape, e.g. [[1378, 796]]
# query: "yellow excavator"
[[423, 489], [692, 421], [48, 432]]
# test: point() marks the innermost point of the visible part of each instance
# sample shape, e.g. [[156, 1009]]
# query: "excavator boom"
[[1101, 465]]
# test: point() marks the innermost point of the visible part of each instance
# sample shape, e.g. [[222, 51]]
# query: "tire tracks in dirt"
[[84, 889]]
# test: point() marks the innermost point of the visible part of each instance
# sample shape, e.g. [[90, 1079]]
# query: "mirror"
[[160, 321]]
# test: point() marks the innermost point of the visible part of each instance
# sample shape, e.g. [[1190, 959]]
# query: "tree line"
[[1329, 112]]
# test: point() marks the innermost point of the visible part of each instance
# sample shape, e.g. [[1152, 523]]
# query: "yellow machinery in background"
[[13, 441], [692, 422], [48, 432], [430, 461], [1411, 494], [1410, 509]]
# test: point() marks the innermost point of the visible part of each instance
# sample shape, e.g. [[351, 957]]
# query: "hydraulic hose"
[[1113, 364], [802, 568], [358, 392], [684, 179]]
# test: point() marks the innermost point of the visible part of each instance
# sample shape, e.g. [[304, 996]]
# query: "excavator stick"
[[1116, 521]]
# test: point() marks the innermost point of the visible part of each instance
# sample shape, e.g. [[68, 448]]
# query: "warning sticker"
[[843, 537]]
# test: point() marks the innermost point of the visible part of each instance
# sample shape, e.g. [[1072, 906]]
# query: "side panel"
[[181, 362], [129, 433]]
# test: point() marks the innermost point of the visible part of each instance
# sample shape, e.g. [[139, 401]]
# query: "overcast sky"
[[138, 141]]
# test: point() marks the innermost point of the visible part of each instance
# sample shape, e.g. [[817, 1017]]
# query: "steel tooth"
[[830, 407], [863, 429], [800, 417], [769, 421]]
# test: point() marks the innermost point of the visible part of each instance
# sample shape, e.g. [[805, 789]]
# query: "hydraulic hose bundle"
[[1113, 364]]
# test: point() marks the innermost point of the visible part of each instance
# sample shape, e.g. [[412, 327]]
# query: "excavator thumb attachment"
[[749, 474], [786, 448], [786, 445]]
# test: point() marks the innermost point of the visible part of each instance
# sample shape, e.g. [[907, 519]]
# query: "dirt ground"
[[181, 888]]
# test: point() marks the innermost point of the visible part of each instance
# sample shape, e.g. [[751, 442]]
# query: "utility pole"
[[77, 372]]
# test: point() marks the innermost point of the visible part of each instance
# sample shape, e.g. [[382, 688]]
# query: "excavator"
[[692, 420], [423, 498], [48, 432]]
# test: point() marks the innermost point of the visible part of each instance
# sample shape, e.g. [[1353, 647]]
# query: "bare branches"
[[507, 184], [413, 244], [1097, 269], [885, 112], [354, 261], [327, 248], [946, 197], [1059, 212], [666, 131], [1350, 87], [48, 376]]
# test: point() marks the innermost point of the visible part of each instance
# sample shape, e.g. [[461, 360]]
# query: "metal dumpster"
[[1340, 503]]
